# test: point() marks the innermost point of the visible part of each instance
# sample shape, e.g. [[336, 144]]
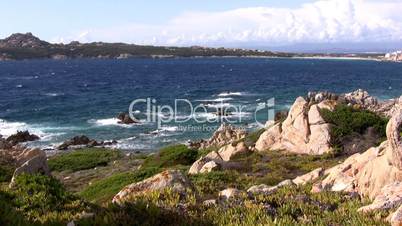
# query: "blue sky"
[[206, 22], [49, 18]]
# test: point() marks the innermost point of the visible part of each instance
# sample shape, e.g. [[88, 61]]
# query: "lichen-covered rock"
[[230, 151], [376, 173], [266, 190], [396, 217], [390, 197], [229, 193], [361, 98], [199, 164], [216, 160], [269, 137], [309, 177], [37, 164], [225, 134], [169, 179], [210, 166], [29, 154]]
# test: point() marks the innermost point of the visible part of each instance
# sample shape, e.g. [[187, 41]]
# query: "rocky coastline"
[[332, 159]]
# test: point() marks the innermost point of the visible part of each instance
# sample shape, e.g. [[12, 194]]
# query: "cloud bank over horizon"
[[324, 21]]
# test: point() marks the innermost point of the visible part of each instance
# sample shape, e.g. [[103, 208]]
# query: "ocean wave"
[[227, 94], [164, 130], [211, 115], [113, 122], [219, 105], [45, 133], [220, 99], [53, 94]]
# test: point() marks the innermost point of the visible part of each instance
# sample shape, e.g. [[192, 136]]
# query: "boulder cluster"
[[25, 160], [83, 141], [375, 173]]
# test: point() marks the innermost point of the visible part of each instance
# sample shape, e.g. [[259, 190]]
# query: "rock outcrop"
[[170, 179], [229, 193], [225, 134], [78, 141], [393, 56], [30, 161], [303, 131], [368, 173], [220, 159], [266, 190], [376, 173], [362, 99], [308, 177], [124, 118], [21, 137]]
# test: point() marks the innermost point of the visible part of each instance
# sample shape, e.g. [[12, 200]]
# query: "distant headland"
[[20, 46]]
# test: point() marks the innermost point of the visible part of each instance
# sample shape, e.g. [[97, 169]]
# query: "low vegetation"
[[349, 120], [40, 199], [6, 172], [171, 156], [83, 159], [177, 156]]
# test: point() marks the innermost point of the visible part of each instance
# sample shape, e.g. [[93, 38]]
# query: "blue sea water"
[[60, 99]]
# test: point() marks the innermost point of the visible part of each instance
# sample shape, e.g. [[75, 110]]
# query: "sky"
[[206, 22]]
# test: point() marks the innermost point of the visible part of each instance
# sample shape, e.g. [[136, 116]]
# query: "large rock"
[[269, 137], [309, 177], [20, 137], [225, 134], [169, 179], [37, 164], [216, 160], [376, 173], [390, 197], [361, 98], [230, 193], [266, 190], [200, 163], [28, 154], [230, 151], [78, 140], [124, 118], [396, 218], [210, 166], [303, 131]]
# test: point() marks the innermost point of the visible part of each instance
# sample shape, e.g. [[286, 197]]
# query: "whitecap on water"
[[113, 122], [216, 100], [53, 94], [226, 94], [45, 133]]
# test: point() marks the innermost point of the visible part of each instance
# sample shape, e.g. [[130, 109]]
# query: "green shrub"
[[172, 156], [103, 190], [348, 120], [213, 182], [8, 214], [251, 138], [83, 159], [6, 172], [42, 198]]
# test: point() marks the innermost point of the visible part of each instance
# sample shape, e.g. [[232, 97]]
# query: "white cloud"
[[321, 21]]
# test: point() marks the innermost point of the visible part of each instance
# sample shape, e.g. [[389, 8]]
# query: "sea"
[[177, 98]]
